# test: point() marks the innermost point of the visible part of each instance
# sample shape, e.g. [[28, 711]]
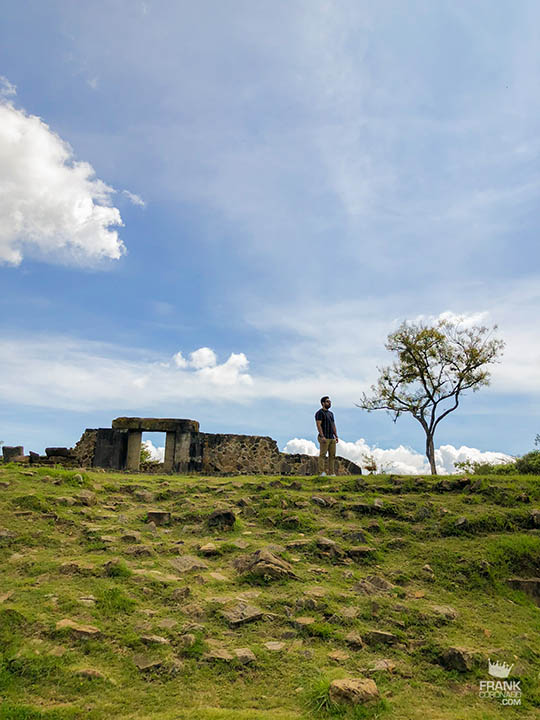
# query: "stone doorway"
[[154, 443]]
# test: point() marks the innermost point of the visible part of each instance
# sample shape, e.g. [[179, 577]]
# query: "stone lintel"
[[155, 424]]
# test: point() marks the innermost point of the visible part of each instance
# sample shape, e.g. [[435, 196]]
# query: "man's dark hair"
[[324, 398]]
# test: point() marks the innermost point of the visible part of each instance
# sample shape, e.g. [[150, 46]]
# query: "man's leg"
[[331, 456], [323, 443]]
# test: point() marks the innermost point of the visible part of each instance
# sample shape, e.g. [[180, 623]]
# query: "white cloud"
[[203, 358], [7, 89], [179, 360], [157, 454], [400, 460], [52, 206], [134, 198], [232, 372]]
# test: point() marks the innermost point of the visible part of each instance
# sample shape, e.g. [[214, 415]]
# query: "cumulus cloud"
[[157, 454], [179, 360], [203, 358], [52, 206], [7, 89], [401, 460], [231, 372]]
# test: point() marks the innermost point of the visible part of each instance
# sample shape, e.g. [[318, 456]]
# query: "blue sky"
[[293, 179]]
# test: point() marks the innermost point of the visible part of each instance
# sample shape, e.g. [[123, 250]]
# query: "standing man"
[[328, 437]]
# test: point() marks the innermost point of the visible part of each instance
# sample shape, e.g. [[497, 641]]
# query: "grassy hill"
[[111, 610]]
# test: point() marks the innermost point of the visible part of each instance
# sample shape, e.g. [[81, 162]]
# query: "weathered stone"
[[321, 502], [338, 656], [78, 629], [242, 613], [374, 637], [530, 586], [181, 594], [70, 567], [445, 612], [274, 646], [354, 640], [303, 622], [373, 585], [457, 658], [158, 517], [145, 663], [155, 424], [223, 519], [86, 497], [265, 564], [218, 577], [139, 550], [132, 536], [209, 549], [58, 452], [245, 655], [63, 500], [218, 653], [144, 496], [188, 563], [353, 690], [360, 552], [154, 640], [383, 665], [9, 452]]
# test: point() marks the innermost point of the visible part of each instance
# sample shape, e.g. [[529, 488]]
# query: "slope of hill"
[[248, 598]]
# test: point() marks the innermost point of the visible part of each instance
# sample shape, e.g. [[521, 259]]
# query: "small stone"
[[353, 690], [90, 674], [181, 593], [158, 517], [374, 637], [303, 622], [6, 596], [188, 563], [360, 552], [354, 640], [383, 665], [428, 569], [274, 646], [457, 658], [321, 502], [242, 613], [86, 497], [144, 663], [223, 519], [209, 549], [167, 623], [245, 655], [154, 640], [75, 568], [82, 630], [131, 537], [445, 612], [338, 656], [218, 654]]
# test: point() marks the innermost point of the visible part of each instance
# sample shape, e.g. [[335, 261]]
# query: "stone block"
[[12, 451], [155, 424]]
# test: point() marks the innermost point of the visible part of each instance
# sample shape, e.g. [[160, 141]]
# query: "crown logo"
[[500, 670]]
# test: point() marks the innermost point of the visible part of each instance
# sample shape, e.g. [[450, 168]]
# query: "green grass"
[[131, 598]]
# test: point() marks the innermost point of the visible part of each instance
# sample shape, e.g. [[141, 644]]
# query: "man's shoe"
[[323, 474]]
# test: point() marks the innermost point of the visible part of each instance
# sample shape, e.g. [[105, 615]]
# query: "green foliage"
[[146, 455], [9, 711], [529, 464], [197, 649], [435, 365], [486, 468]]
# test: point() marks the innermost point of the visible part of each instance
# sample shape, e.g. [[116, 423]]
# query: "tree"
[[436, 363]]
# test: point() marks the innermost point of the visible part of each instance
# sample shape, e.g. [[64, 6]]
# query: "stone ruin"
[[187, 450]]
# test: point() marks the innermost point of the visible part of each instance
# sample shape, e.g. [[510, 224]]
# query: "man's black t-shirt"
[[327, 422]]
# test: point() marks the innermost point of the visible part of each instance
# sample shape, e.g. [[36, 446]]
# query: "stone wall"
[[86, 447], [249, 454]]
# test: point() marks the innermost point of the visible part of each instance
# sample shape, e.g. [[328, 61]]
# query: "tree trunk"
[[430, 453]]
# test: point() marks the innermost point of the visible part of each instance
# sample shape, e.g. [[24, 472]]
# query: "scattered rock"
[[383, 665], [457, 658], [303, 622], [144, 496], [139, 550], [6, 596], [245, 655], [274, 646], [360, 552], [81, 630], [158, 517], [188, 563], [144, 663], [209, 549], [218, 653], [71, 567], [90, 674], [530, 586], [429, 571], [353, 690], [181, 593], [374, 637], [354, 640], [373, 585], [86, 497], [445, 612], [263, 563], [338, 656], [218, 577], [131, 537], [321, 502], [154, 640], [223, 519], [242, 613]]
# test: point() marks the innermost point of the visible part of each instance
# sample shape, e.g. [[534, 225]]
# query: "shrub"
[[529, 464]]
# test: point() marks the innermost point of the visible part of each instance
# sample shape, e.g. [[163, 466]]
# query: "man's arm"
[[335, 431], [319, 428]]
